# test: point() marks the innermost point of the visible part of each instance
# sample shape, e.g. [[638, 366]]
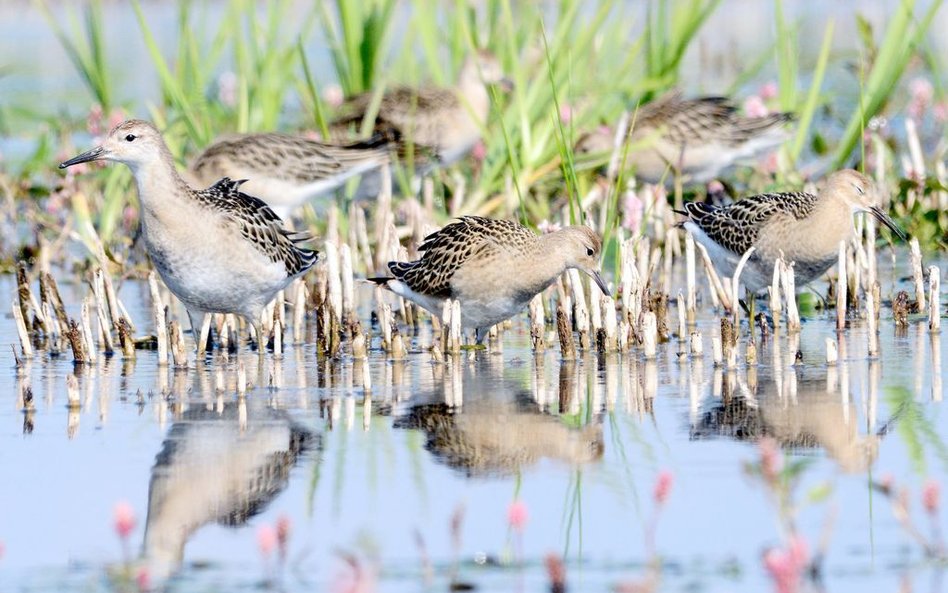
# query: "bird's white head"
[[859, 193], [134, 142], [582, 248]]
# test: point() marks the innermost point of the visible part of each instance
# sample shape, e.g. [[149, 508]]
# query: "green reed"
[[85, 47], [592, 59], [904, 34]]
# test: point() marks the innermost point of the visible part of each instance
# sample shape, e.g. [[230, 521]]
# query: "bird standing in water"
[[218, 250], [492, 268], [806, 228]]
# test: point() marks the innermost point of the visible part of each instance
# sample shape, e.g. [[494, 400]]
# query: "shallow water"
[[373, 473]]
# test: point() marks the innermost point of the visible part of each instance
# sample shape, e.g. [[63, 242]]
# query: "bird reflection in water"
[[799, 412], [216, 468], [500, 428]]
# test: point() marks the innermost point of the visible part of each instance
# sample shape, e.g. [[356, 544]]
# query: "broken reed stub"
[[126, 339], [934, 298], [917, 275], [697, 345], [649, 334], [872, 320], [832, 354], [537, 323], [26, 346], [565, 332], [842, 285], [76, 342]]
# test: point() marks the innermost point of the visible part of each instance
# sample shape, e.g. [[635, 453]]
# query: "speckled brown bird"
[[699, 137], [286, 171], [218, 250], [807, 228], [444, 122], [492, 268]]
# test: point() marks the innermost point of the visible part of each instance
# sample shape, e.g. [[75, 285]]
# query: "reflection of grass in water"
[[574, 511], [915, 428]]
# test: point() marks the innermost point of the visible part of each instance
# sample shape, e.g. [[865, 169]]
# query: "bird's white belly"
[[214, 271], [485, 313]]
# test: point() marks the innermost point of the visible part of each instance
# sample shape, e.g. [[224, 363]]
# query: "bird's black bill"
[[600, 281], [89, 155], [884, 219]]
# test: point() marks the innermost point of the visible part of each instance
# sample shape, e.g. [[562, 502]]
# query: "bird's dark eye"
[[589, 251], [130, 137]]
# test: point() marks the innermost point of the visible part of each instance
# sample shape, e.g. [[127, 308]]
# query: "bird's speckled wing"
[[399, 107], [259, 225], [449, 248], [283, 156], [736, 227], [703, 120]]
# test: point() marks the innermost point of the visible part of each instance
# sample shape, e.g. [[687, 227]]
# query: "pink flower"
[[479, 151], [545, 226], [786, 566], [283, 533], [930, 497], [129, 216], [754, 107], [117, 116], [886, 483], [922, 92], [632, 209], [768, 91], [517, 515], [227, 89], [94, 120], [123, 518], [358, 579], [771, 461], [555, 571], [663, 487], [333, 96], [940, 111], [566, 113], [143, 580], [266, 540], [769, 163]]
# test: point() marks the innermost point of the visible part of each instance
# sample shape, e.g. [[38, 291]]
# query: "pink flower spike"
[[663, 487], [940, 111], [517, 515], [94, 120], [123, 518], [143, 580], [921, 90], [116, 116], [754, 107], [786, 566], [715, 187], [266, 540], [632, 209], [931, 494], [283, 533], [479, 151], [333, 95], [545, 226], [768, 91], [771, 461], [566, 113]]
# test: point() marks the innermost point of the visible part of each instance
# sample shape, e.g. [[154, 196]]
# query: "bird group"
[[227, 249]]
